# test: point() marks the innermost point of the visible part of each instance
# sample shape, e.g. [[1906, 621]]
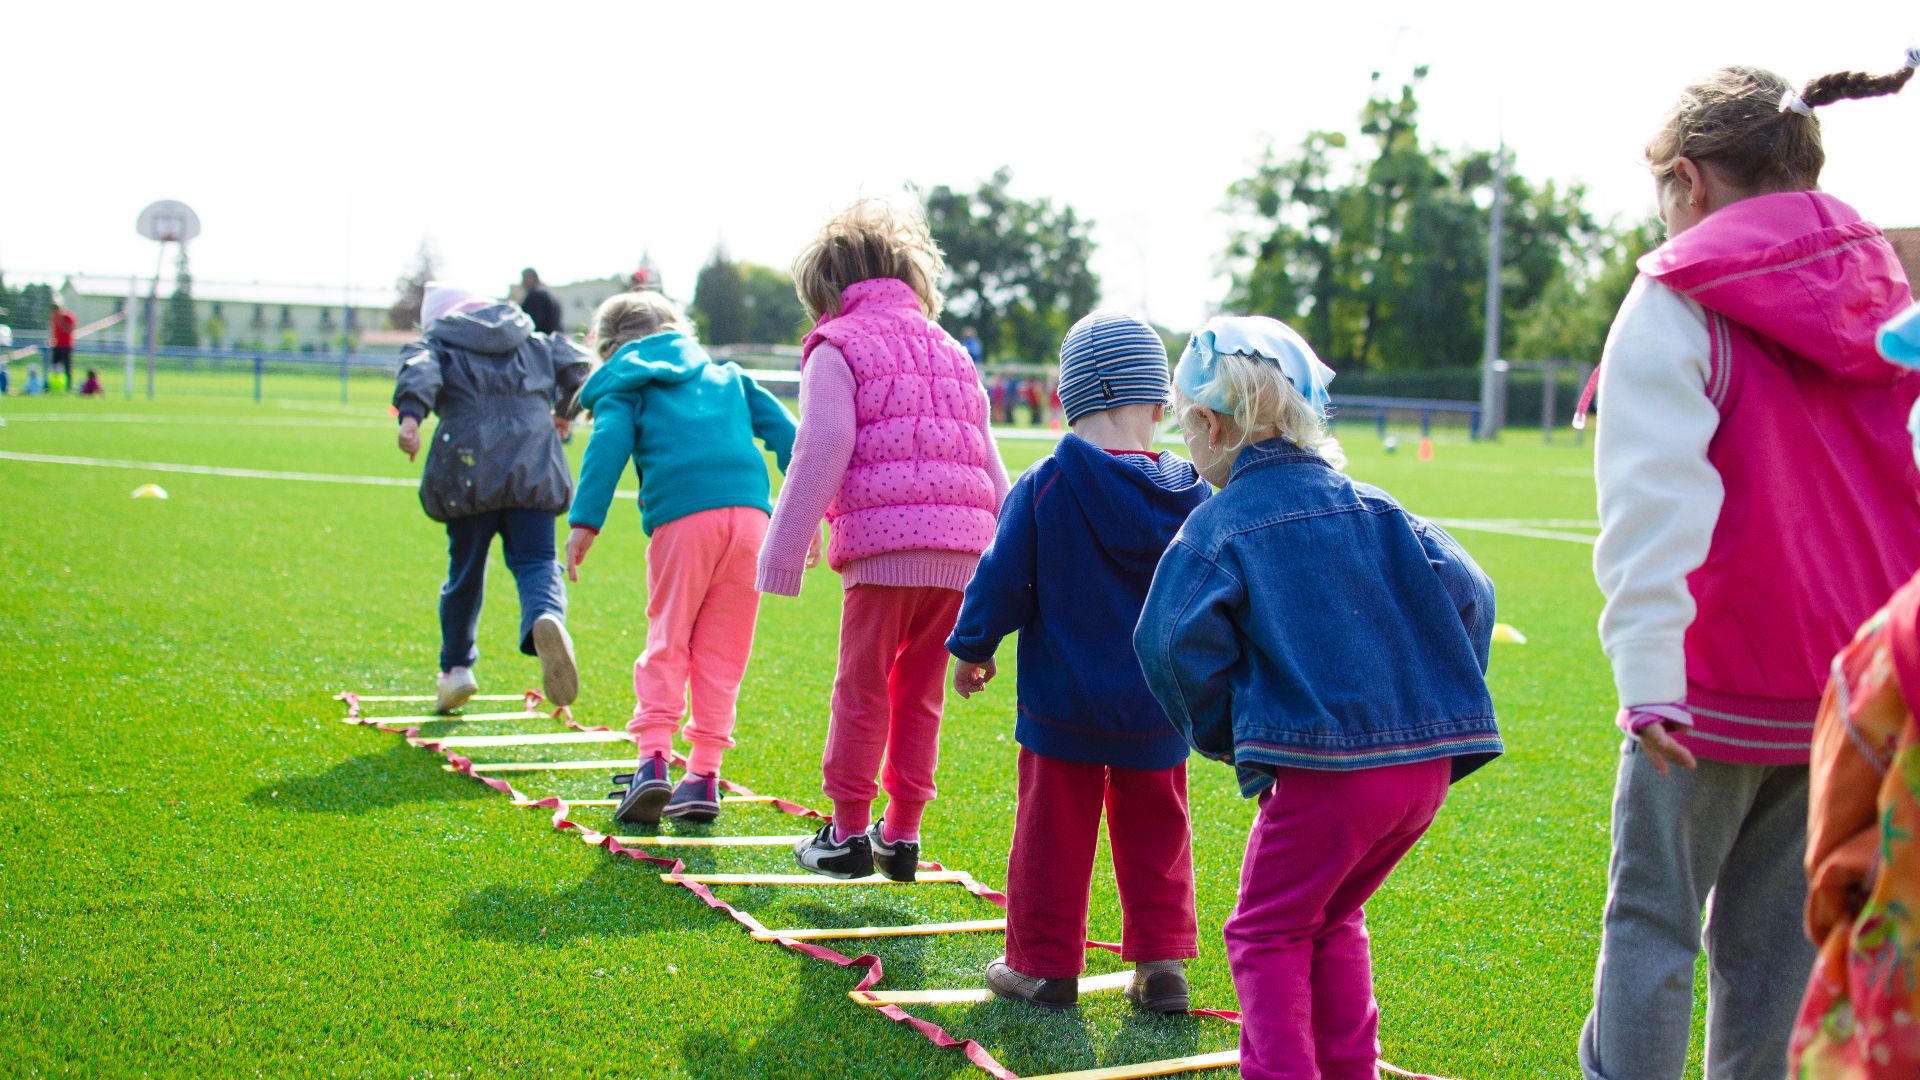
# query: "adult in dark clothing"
[[61, 324], [539, 303]]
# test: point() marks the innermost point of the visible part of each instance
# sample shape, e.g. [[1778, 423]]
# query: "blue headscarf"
[[1251, 335]]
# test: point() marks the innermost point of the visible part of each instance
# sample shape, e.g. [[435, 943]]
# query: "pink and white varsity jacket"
[[1757, 491]]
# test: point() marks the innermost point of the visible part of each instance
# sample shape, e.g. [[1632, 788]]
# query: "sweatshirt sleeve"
[[822, 448], [604, 462], [417, 388], [773, 425], [1187, 645], [571, 366], [1659, 496], [1000, 599]]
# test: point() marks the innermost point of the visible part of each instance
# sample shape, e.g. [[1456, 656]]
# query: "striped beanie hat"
[[1109, 359]]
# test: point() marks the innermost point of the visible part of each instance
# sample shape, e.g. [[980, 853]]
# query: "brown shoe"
[[1159, 986], [1046, 993]]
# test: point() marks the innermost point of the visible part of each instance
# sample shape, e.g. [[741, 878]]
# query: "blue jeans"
[[527, 537]]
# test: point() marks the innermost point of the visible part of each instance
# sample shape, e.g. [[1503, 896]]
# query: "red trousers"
[[1056, 828]]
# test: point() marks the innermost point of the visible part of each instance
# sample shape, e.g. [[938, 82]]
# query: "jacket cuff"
[[594, 529], [408, 410], [779, 582], [968, 655], [1647, 672]]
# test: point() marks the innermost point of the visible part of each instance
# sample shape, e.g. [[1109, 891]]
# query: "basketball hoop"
[[168, 222]]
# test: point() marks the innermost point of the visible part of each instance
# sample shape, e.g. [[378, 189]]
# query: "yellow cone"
[[149, 491], [1505, 634]]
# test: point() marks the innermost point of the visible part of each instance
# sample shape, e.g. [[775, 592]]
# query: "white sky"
[[319, 144]]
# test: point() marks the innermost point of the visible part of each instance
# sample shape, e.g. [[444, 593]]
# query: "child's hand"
[[970, 679], [409, 436], [578, 541], [818, 545], [1661, 747], [561, 425], [1653, 726]]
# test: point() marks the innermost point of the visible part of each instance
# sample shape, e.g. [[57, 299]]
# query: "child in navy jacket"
[[1074, 553]]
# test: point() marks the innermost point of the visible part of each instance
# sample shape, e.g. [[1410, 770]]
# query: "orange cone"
[[1426, 449]]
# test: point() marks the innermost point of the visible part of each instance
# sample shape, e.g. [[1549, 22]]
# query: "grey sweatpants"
[[1729, 839]]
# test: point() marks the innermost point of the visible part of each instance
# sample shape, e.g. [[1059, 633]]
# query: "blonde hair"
[[1262, 401], [868, 240], [630, 316], [1733, 120]]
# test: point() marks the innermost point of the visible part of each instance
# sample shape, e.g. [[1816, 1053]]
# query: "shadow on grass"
[[621, 898], [1029, 1040], [399, 776]]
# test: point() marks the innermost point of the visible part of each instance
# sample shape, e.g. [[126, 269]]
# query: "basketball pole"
[[132, 327]]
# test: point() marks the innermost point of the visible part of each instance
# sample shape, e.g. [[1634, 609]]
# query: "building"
[[278, 318], [1907, 243]]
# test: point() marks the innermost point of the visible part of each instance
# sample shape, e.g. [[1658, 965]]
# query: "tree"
[[1381, 259], [179, 329], [28, 307], [1571, 319], [720, 301], [1016, 270], [412, 286], [774, 312]]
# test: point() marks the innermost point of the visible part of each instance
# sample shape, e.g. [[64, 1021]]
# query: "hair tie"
[[1913, 56], [1791, 101]]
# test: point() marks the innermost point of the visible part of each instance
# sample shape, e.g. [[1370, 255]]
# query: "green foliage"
[[27, 308], [1571, 318], [216, 331], [179, 329], [720, 301], [1017, 270], [412, 288], [775, 315], [1378, 250]]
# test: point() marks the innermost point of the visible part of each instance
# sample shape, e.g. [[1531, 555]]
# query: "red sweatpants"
[[887, 699], [1056, 828]]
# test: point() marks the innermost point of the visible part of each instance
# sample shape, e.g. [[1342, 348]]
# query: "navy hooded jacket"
[[1071, 561]]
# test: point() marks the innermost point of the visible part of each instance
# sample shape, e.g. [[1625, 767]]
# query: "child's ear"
[[1214, 427], [1159, 413]]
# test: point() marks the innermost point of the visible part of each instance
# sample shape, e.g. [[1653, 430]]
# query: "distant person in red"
[[61, 323], [92, 387], [539, 303]]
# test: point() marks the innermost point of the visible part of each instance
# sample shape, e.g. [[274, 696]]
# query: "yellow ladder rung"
[[668, 840], [435, 718], [1218, 1060], [545, 738], [925, 878], [973, 926], [545, 766], [616, 802], [1112, 981]]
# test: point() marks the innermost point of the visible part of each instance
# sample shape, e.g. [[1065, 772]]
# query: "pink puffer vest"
[[1821, 520], [918, 479]]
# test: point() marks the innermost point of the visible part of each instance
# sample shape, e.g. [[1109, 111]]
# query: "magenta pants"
[[1321, 844], [1056, 829], [887, 699], [701, 606]]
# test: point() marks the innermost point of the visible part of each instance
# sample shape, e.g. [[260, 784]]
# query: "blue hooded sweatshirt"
[[1079, 536], [688, 423]]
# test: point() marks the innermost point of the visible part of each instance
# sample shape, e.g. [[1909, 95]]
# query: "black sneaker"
[[897, 861], [696, 799], [1159, 986], [845, 859], [1046, 993], [647, 792]]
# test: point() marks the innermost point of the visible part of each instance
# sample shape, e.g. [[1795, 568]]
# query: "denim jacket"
[[1301, 620]]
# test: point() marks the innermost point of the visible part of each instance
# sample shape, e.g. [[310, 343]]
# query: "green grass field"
[[206, 872]]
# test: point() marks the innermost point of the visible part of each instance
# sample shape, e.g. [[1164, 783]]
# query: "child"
[[688, 424], [1078, 539], [495, 468], [895, 451], [1863, 822], [1756, 504], [1331, 647], [92, 387]]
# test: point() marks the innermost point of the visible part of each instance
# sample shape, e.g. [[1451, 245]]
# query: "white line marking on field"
[[1508, 528], [209, 470], [205, 421]]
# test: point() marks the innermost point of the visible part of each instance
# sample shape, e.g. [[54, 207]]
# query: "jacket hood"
[[669, 357], [1132, 508], [496, 328], [1798, 268]]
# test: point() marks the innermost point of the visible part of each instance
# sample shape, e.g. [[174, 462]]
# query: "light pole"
[[1491, 418]]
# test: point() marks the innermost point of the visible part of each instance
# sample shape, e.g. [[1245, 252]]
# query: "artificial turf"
[[205, 872]]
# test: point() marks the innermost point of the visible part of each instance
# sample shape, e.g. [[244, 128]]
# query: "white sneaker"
[[559, 676], [454, 689]]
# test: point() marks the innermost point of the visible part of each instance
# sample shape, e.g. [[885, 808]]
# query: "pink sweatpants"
[[1297, 941], [701, 605], [887, 698]]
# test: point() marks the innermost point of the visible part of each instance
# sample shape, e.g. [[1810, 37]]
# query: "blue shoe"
[[696, 799], [647, 792]]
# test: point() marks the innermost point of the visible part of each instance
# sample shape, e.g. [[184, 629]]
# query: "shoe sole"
[[643, 807], [1166, 1006], [559, 675], [460, 697], [1050, 1006], [699, 815], [887, 872]]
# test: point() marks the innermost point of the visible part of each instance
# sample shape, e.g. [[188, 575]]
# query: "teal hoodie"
[[688, 423]]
